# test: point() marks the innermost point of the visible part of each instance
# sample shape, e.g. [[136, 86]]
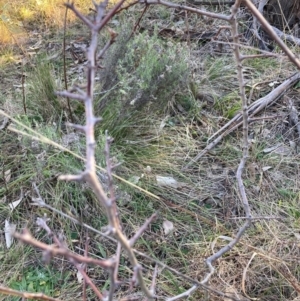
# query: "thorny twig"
[[241, 187], [42, 223], [26, 295], [238, 58], [40, 202], [53, 250], [90, 175]]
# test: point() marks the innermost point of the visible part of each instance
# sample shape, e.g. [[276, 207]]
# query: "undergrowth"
[[160, 115]]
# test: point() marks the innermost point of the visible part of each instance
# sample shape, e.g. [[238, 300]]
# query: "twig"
[[245, 274], [224, 250], [89, 174], [152, 288], [114, 275], [293, 114], [139, 20], [42, 223], [53, 250], [23, 90], [40, 202], [187, 8], [65, 64], [86, 255], [181, 275], [233, 242], [142, 229], [44, 139], [113, 36], [184, 294], [253, 109], [270, 30], [241, 80], [26, 295]]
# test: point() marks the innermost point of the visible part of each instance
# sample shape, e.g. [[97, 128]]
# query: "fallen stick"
[[253, 109]]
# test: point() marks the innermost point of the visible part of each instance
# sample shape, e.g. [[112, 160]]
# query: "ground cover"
[[187, 89]]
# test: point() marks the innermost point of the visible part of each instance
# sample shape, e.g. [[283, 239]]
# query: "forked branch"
[[89, 174]]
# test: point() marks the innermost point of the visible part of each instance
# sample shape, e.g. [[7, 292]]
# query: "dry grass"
[[206, 206]]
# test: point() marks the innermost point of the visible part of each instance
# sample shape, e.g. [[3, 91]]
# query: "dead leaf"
[[166, 182], [265, 168], [7, 175], [283, 150], [8, 230], [14, 204], [79, 276], [168, 227], [270, 149]]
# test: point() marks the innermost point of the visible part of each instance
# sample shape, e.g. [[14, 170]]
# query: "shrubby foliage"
[[142, 73]]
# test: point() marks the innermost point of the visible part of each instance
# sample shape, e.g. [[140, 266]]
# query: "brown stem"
[[65, 65], [26, 295]]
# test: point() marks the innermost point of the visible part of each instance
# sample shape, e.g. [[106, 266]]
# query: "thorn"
[[76, 126], [97, 120], [71, 178]]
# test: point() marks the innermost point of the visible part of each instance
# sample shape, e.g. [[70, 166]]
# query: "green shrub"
[[141, 76]]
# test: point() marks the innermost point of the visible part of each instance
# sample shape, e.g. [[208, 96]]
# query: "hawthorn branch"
[[89, 174], [270, 30], [241, 187], [187, 8], [54, 250], [26, 295]]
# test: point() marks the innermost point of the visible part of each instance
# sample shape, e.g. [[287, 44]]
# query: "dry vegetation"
[[162, 93]]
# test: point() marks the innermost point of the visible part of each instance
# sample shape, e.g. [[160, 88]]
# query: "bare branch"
[[26, 295], [272, 33], [209, 261], [76, 178], [90, 168], [26, 237], [152, 288], [228, 247], [79, 15], [86, 255], [114, 275], [187, 8], [142, 229], [253, 109], [113, 36], [184, 294], [71, 95], [78, 127]]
